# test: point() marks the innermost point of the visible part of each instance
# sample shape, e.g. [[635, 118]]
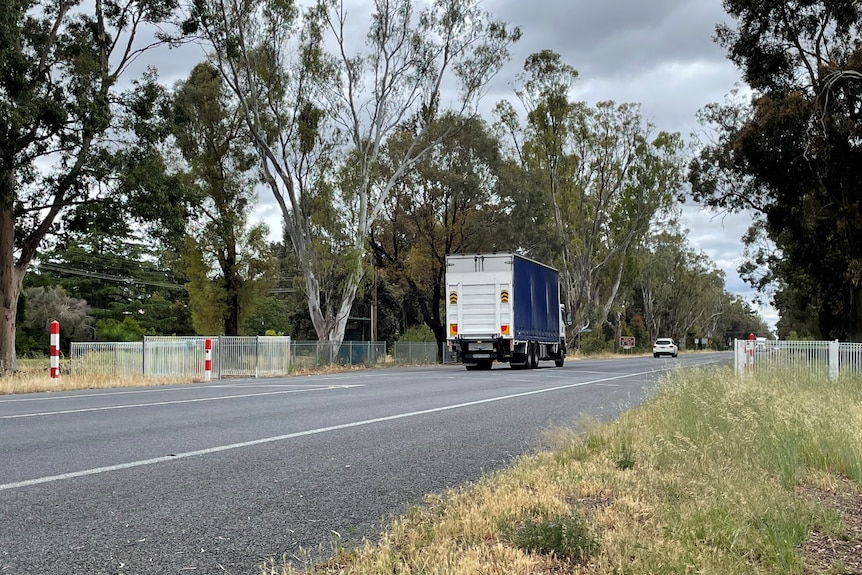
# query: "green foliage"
[[418, 333], [804, 69], [61, 67], [562, 537], [228, 262], [595, 343], [47, 304], [271, 316], [118, 275], [604, 178], [112, 330], [624, 455], [330, 173], [453, 201]]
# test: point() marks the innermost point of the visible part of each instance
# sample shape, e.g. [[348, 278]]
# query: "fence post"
[[55, 350], [833, 359], [289, 355], [256, 356], [740, 356]]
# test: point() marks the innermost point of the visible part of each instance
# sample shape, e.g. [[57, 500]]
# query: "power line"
[[104, 276], [129, 280]]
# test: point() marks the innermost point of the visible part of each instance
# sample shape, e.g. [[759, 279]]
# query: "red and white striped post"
[[55, 349], [208, 359]]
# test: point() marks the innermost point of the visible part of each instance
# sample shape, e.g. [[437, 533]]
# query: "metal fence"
[[414, 352], [110, 358], [232, 356], [312, 354], [236, 356], [825, 358], [158, 356]]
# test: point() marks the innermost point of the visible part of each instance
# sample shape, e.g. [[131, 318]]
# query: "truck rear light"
[[453, 329], [504, 329]]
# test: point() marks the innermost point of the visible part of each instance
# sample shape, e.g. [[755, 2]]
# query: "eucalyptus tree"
[[315, 100], [680, 291], [792, 152], [61, 64], [608, 175], [227, 260], [455, 200], [544, 90]]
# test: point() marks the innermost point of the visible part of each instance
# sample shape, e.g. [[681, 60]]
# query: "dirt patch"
[[837, 555]]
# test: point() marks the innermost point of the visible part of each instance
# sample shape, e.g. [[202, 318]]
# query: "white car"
[[664, 346]]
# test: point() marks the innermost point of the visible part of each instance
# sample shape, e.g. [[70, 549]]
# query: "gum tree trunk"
[[10, 288]]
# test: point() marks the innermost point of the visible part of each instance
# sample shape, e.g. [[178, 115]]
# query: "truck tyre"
[[559, 361], [534, 355]]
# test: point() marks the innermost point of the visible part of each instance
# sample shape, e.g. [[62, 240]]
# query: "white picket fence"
[[826, 358], [232, 356]]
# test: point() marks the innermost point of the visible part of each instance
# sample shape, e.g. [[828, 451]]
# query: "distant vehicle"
[[664, 346], [506, 308]]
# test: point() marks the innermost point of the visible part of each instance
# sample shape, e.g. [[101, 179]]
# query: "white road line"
[[220, 448], [50, 396], [174, 402]]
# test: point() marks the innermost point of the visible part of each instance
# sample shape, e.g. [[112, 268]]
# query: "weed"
[[624, 457], [562, 537]]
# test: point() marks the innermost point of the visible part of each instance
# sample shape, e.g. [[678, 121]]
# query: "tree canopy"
[[791, 154], [59, 99]]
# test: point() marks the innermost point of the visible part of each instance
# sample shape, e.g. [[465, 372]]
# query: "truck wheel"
[[559, 361], [485, 365], [534, 356]]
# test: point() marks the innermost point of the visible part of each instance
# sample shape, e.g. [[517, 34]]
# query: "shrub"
[[562, 537]]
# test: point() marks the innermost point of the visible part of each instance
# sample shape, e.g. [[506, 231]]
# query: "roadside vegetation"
[[33, 376], [715, 475]]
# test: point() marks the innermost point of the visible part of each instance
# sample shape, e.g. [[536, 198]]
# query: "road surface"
[[220, 477]]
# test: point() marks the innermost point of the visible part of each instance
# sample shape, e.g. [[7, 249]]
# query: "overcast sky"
[[660, 54]]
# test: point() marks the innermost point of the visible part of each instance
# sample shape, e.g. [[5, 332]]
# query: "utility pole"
[[374, 303]]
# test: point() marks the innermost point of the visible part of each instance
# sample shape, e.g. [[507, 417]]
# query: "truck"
[[503, 307]]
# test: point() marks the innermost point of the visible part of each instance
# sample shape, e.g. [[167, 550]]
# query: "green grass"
[[704, 478]]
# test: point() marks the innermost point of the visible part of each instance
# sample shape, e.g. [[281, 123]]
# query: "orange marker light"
[[453, 329], [504, 329]]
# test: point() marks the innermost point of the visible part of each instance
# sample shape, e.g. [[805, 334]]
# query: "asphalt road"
[[220, 477]]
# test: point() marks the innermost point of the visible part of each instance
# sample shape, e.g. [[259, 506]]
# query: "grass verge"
[[715, 475], [33, 376]]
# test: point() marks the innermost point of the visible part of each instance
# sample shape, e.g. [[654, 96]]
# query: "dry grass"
[[709, 477], [33, 376]]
